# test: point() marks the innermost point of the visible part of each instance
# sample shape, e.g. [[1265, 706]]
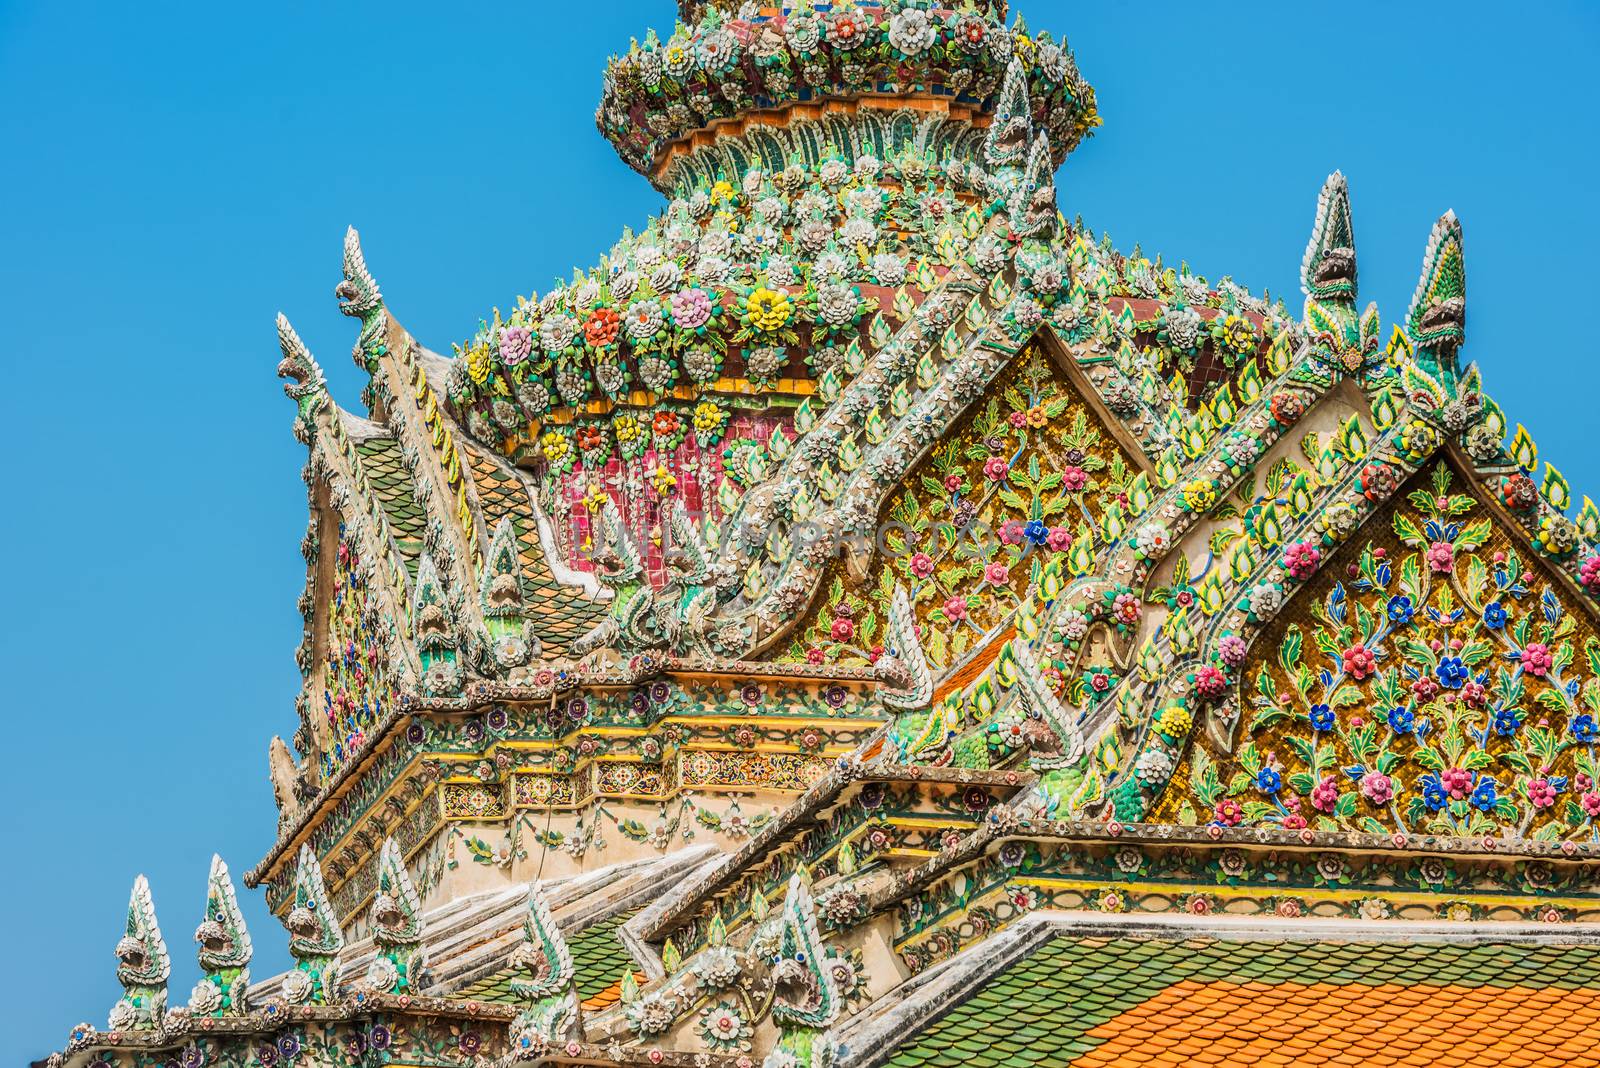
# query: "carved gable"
[[1030, 478], [1433, 677]]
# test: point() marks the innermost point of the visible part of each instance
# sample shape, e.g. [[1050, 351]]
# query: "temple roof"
[[1181, 998]]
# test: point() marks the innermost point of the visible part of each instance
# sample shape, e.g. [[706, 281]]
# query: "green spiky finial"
[[396, 918], [224, 950], [543, 981], [142, 967], [315, 940]]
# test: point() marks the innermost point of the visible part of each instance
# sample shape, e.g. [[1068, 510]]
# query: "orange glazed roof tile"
[[1120, 1001]]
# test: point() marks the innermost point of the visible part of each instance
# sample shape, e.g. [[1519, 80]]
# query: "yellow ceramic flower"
[[479, 363], [555, 446], [707, 416], [722, 191], [595, 498], [1199, 495], [626, 427], [1175, 722], [769, 309], [663, 480]]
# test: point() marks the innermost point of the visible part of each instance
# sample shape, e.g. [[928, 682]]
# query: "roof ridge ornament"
[[433, 626], [396, 917], [306, 386], [503, 599], [544, 980], [904, 665], [806, 1000], [225, 950], [358, 292], [1011, 130], [315, 939], [1437, 318], [143, 967], [1328, 269]]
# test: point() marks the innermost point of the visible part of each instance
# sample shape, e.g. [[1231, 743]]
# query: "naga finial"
[[297, 364], [396, 918], [543, 980], [806, 999], [142, 967], [904, 665], [1011, 131], [358, 293], [504, 601], [224, 950], [1437, 319], [1328, 270], [315, 940]]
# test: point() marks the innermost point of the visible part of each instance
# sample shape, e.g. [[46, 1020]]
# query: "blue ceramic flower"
[[1400, 610], [1453, 674]]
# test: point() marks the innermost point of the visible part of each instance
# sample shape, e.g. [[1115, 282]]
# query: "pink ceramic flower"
[[921, 565], [1011, 532], [1074, 479], [1541, 794], [1209, 682], [1377, 787], [1359, 663], [1229, 812], [1589, 573], [1059, 539], [691, 309], [956, 608], [1536, 659], [1442, 557], [1126, 608], [952, 483], [996, 574], [995, 468], [1591, 805], [1300, 559], [1325, 795], [1457, 782], [1018, 420], [516, 344], [842, 630], [1232, 650]]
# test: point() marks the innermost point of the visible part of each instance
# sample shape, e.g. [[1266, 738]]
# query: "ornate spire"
[[1328, 271], [543, 981], [142, 967], [1437, 319], [912, 76], [396, 919], [315, 940], [224, 950]]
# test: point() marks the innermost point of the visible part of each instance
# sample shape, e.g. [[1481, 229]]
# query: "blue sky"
[[175, 174]]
